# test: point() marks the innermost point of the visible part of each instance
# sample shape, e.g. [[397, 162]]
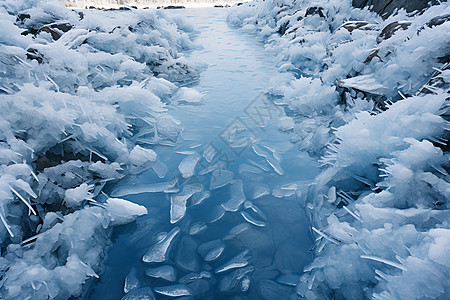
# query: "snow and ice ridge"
[[82, 99], [370, 96]]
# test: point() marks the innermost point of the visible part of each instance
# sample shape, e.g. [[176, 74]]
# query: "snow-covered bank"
[[117, 4], [82, 105], [369, 96]]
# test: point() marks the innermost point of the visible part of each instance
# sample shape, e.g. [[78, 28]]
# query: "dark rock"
[[372, 55], [56, 29], [174, 7], [22, 17], [315, 10], [439, 20], [283, 28], [35, 54], [352, 25], [385, 8], [391, 29]]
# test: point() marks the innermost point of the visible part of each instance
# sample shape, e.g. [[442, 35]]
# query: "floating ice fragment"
[[252, 220], [123, 211], [245, 283], [236, 230], [187, 165], [220, 178], [131, 281], [260, 191], [186, 257], [194, 276], [260, 151], [211, 250], [213, 254], [178, 202], [177, 290], [275, 165], [255, 209], [239, 261], [188, 95], [197, 228], [188, 152], [237, 196], [286, 190], [249, 169], [216, 214], [248, 204], [163, 187], [200, 197], [231, 281], [164, 272], [160, 169], [158, 252], [289, 279], [144, 293], [286, 123], [262, 167]]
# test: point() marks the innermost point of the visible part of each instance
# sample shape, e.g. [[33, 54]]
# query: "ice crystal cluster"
[[370, 96], [82, 105]]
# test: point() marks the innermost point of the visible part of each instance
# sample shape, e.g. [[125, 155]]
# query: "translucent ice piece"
[[163, 187], [144, 293], [187, 165], [249, 218], [220, 178], [158, 253], [237, 196], [131, 281], [164, 272], [239, 261], [231, 281], [177, 290]]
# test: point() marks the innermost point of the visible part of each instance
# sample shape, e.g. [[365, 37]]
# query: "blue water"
[[233, 117]]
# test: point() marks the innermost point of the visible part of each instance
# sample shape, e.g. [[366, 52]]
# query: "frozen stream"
[[243, 197]]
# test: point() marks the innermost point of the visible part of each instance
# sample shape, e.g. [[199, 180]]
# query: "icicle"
[[30, 239], [328, 238], [8, 228], [403, 96], [53, 82], [32, 173], [385, 261], [352, 214], [23, 200]]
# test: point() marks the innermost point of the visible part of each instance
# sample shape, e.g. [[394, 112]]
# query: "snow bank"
[[370, 97], [82, 96]]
